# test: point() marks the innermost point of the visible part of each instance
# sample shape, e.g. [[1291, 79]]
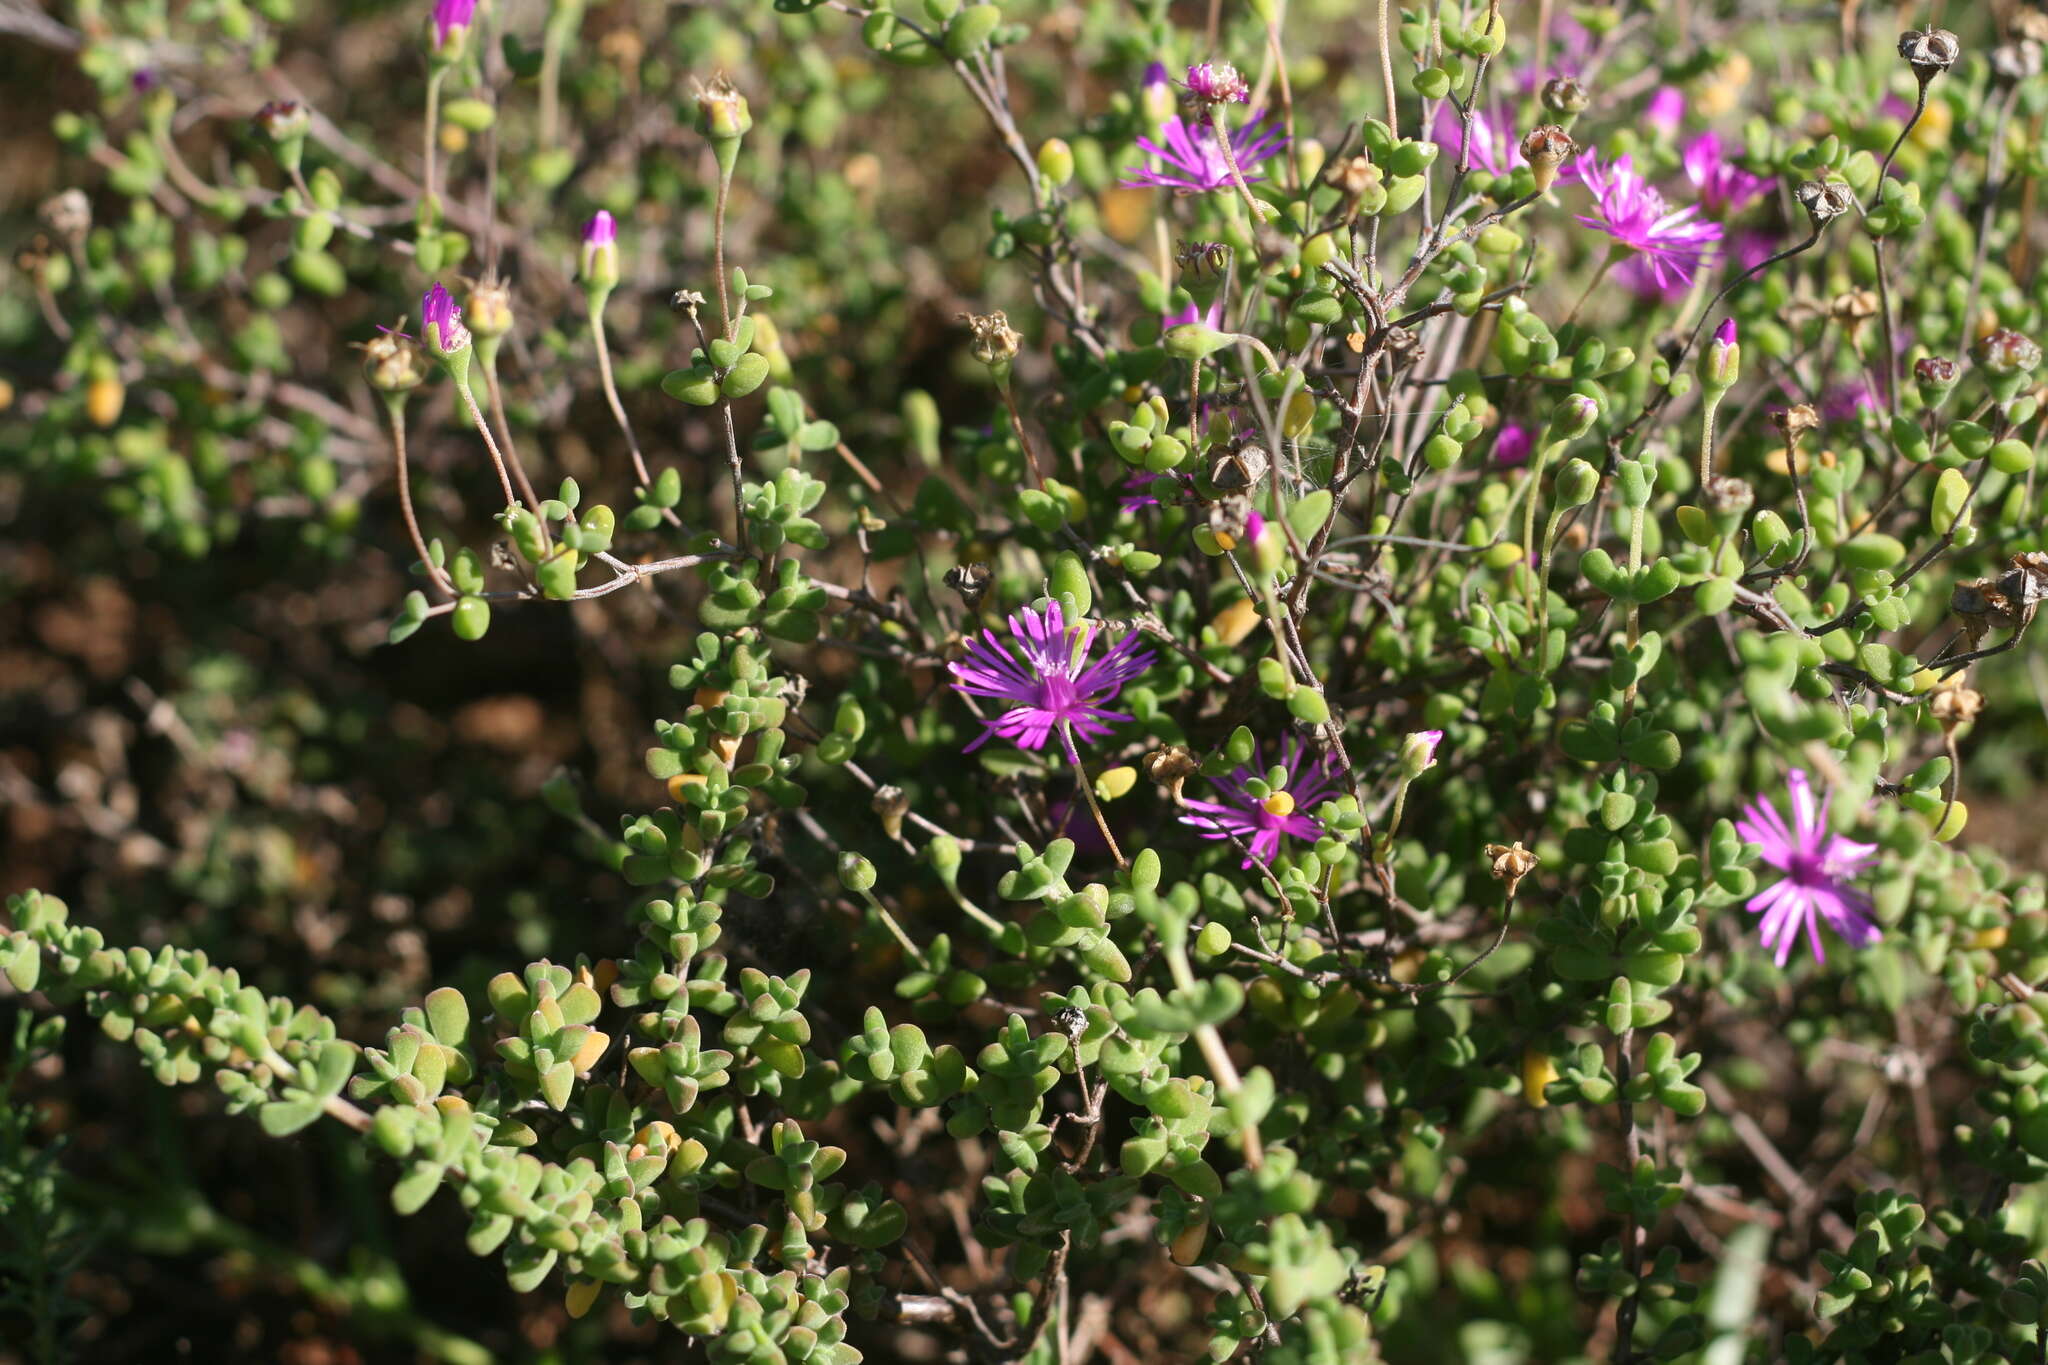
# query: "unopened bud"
[[856, 873], [285, 124], [1546, 149], [1564, 95], [1722, 360], [1576, 484], [599, 264], [1418, 752], [1575, 414], [1934, 376], [1194, 341]]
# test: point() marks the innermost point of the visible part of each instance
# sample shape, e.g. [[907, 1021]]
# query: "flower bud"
[[1418, 752], [1575, 415], [1194, 341], [1577, 483], [1156, 98], [1935, 375], [1211, 84], [1722, 359], [1929, 52], [452, 19], [441, 323], [284, 124], [722, 113], [1546, 148], [1565, 96], [1202, 262], [856, 873], [1056, 161], [599, 265]]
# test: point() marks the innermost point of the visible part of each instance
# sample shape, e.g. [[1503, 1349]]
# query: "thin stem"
[[1210, 1041], [490, 359], [1222, 131], [434, 79], [1613, 256], [910, 949], [718, 245], [1710, 404], [1017, 425], [611, 390], [739, 486], [1535, 490], [1088, 794], [1387, 73], [394, 407], [483, 429]]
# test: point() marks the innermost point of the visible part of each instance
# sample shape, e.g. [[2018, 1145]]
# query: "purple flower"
[[1815, 861], [600, 259], [451, 16], [1666, 109], [1260, 823], [441, 321], [1212, 316], [1214, 83], [1724, 188], [1418, 752], [1493, 138], [1513, 445], [1670, 242], [1138, 492], [1052, 685], [1191, 162]]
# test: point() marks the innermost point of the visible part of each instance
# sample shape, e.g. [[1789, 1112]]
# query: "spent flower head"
[[1210, 84], [1817, 863], [1050, 683]]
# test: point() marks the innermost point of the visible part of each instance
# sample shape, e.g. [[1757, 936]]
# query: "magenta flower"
[[1670, 242], [1724, 188], [441, 321], [1190, 161], [1513, 445], [1815, 861], [451, 16], [1053, 685], [600, 258], [1138, 491], [1666, 109], [1212, 316], [1418, 752], [1493, 138], [1260, 822], [1214, 83]]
